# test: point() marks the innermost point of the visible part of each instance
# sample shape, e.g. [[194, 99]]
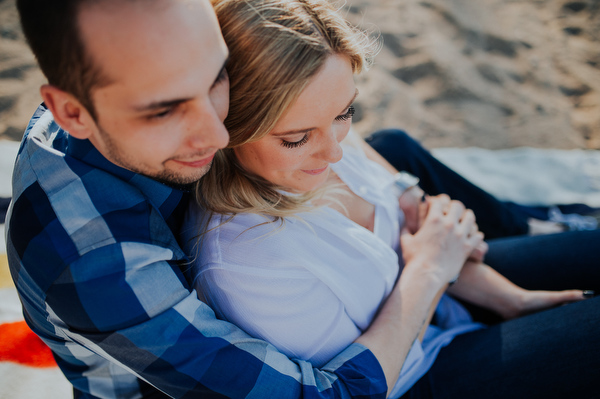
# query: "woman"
[[303, 239]]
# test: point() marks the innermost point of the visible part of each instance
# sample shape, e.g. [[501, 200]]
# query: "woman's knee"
[[389, 138], [396, 146]]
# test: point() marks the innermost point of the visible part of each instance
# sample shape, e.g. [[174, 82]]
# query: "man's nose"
[[208, 131]]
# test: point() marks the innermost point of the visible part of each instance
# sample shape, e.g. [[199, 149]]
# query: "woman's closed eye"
[[347, 116], [295, 144]]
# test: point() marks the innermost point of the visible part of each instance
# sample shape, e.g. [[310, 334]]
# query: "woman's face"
[[297, 153]]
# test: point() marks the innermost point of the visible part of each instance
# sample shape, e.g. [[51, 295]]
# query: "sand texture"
[[493, 74]]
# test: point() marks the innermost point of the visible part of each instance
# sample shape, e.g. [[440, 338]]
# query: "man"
[[141, 89]]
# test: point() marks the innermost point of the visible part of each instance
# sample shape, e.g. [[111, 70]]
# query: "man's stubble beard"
[[165, 176], [171, 179]]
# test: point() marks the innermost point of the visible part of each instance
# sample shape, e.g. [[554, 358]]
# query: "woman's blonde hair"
[[276, 47]]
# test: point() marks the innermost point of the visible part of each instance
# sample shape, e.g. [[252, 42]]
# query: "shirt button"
[[363, 190]]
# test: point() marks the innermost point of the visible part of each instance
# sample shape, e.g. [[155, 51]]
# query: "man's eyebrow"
[[307, 130], [160, 105], [171, 103]]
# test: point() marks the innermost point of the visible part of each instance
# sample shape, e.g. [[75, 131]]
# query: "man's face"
[[162, 112]]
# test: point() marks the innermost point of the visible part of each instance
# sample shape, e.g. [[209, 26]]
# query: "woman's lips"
[[316, 171]]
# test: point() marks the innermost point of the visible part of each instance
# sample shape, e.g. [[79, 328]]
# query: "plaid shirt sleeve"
[[99, 274]]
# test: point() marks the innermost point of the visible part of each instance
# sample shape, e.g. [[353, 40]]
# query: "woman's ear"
[[68, 112]]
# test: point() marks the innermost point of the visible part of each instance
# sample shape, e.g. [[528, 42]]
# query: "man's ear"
[[68, 112]]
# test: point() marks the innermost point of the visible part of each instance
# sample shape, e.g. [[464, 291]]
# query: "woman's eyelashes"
[[347, 115], [295, 144], [340, 118]]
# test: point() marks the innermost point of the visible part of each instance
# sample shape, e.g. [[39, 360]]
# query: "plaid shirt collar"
[[165, 198]]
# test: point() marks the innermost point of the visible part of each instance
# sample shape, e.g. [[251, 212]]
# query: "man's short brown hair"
[[51, 29]]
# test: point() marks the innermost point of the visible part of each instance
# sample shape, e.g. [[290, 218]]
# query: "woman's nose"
[[331, 150]]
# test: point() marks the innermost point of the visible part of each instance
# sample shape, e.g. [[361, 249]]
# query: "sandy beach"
[[494, 74], [473, 80]]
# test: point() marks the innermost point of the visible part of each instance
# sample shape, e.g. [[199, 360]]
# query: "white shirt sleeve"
[[293, 311]]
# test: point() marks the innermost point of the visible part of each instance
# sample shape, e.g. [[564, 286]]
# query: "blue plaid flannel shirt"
[[99, 273]]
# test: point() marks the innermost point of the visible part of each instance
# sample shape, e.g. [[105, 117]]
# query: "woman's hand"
[[445, 239], [479, 252], [414, 206]]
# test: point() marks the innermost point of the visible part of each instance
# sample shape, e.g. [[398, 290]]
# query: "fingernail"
[[588, 294]]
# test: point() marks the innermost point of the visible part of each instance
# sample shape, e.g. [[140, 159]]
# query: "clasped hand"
[[441, 233], [444, 234]]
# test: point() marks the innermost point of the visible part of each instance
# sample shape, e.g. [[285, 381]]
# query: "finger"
[[405, 232], [483, 247], [466, 222], [478, 253], [442, 198], [474, 229], [422, 212], [418, 192], [475, 240], [468, 219], [456, 210], [474, 226], [476, 256], [436, 206]]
